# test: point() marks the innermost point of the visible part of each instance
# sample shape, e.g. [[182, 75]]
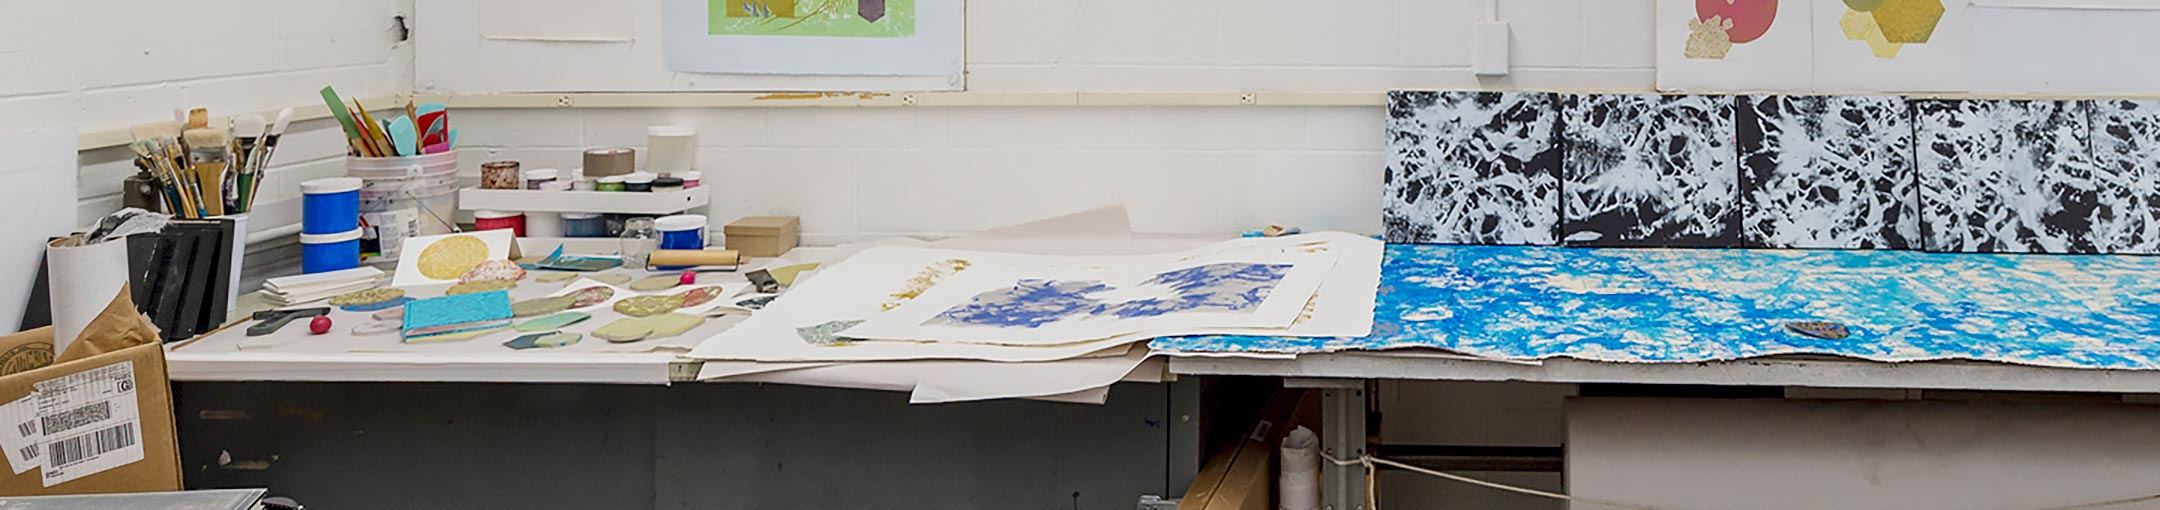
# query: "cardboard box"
[[1243, 477], [763, 236], [103, 410]]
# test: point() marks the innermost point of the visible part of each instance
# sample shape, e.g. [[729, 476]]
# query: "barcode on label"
[[76, 449], [85, 415], [28, 452], [27, 428]]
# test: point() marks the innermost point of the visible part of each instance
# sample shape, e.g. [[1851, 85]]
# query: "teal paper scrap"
[[459, 309]]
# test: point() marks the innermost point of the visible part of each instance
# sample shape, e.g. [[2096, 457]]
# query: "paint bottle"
[[639, 182], [610, 183]]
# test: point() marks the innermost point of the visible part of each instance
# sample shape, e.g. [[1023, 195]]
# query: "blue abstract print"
[[1703, 305], [1032, 303]]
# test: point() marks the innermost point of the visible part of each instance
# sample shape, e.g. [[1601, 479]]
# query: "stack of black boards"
[[179, 277]]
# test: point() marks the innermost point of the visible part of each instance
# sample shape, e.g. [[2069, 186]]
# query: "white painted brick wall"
[[859, 173], [96, 64]]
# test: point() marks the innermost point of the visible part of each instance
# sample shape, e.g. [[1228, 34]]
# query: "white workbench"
[[657, 367], [1341, 379]]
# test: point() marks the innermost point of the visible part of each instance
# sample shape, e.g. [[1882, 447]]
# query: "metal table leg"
[[1342, 436]]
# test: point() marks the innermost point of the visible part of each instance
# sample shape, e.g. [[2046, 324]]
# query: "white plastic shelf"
[[618, 202]]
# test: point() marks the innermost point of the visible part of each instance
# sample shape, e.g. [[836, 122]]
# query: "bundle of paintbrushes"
[[205, 171], [422, 129]]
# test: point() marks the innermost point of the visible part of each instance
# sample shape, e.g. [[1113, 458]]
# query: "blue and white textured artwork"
[[1222, 287], [1660, 305]]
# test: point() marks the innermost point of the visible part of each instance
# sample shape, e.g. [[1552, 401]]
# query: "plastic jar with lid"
[[538, 176], [667, 184], [512, 221], [638, 182], [584, 225]]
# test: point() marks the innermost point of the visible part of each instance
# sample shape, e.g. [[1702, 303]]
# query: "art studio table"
[[222, 355], [458, 430], [2010, 323]]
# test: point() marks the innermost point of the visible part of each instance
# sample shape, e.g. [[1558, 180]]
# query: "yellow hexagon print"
[[1908, 21]]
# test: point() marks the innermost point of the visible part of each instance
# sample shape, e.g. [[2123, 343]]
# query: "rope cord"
[[1371, 465]]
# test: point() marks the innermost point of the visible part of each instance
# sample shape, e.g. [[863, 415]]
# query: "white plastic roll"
[[1299, 485], [84, 279], [670, 150]]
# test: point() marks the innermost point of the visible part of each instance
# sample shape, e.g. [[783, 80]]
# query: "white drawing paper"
[[799, 326], [930, 43], [862, 285], [1343, 306], [557, 20], [409, 272], [1734, 46], [1079, 380], [1853, 56], [1017, 305]]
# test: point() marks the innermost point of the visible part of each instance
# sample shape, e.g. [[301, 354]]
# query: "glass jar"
[[639, 239]]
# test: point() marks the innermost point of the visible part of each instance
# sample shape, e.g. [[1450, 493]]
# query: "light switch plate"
[[1490, 42]]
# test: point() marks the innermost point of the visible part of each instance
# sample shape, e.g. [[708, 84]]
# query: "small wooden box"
[[763, 236]]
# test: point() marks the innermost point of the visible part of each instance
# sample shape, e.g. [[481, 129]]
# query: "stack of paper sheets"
[[918, 303], [292, 290]]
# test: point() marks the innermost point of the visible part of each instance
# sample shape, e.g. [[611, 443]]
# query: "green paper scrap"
[[337, 109]]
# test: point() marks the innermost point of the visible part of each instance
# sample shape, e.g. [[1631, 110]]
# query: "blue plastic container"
[[583, 225], [322, 253], [330, 206], [681, 232]]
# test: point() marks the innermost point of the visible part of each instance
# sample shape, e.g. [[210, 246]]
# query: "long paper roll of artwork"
[[694, 258], [84, 280], [1299, 485]]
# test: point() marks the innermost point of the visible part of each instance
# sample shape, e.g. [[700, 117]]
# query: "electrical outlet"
[[1490, 42]]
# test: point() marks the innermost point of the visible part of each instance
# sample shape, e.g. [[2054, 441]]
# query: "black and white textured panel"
[[2009, 176], [1650, 170], [2126, 146], [1472, 168], [1828, 172]]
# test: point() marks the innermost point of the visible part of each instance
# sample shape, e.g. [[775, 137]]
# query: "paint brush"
[[260, 168], [155, 130], [172, 154], [148, 160], [162, 162], [208, 154], [247, 131], [198, 118]]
